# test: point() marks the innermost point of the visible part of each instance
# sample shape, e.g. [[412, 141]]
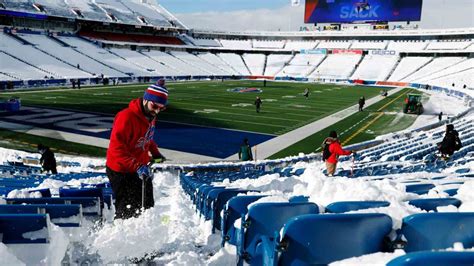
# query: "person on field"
[[440, 116], [245, 151], [306, 93], [128, 155], [361, 103], [47, 160], [258, 104], [450, 142], [332, 149]]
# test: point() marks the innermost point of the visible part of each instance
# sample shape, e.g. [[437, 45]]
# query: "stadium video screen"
[[349, 11]]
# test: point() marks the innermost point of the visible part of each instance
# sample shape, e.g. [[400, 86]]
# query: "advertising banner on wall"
[[313, 51], [346, 51], [383, 52]]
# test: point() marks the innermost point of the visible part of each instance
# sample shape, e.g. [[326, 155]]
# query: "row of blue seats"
[[250, 235], [21, 216], [407, 146], [321, 239], [260, 224]]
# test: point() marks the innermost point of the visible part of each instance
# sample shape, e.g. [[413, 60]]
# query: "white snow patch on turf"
[[299, 106], [269, 100], [241, 105], [206, 111], [288, 96]]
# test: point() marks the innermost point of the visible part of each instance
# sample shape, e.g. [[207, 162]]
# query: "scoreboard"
[[356, 11]]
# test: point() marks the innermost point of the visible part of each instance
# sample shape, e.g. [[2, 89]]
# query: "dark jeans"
[[127, 188]]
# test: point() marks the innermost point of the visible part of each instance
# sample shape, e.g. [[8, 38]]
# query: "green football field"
[[216, 104]]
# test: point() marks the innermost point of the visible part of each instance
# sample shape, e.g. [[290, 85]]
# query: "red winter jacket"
[[131, 139], [336, 150]]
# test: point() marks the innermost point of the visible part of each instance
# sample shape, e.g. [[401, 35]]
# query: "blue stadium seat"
[[55, 211], [90, 205], [321, 239], [14, 228], [432, 204], [419, 189], [83, 192], [45, 192], [235, 208], [299, 198], [432, 258], [265, 220], [346, 206], [428, 231], [452, 191], [220, 199], [209, 200]]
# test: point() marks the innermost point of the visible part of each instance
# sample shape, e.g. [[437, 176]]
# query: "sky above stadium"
[[274, 15]]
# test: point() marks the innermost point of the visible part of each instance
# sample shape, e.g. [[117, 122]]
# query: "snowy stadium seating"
[[236, 44], [437, 64], [407, 46], [346, 206], [268, 44], [275, 63], [459, 79], [236, 62], [262, 221], [377, 45], [375, 67], [321, 239], [337, 66], [448, 45], [433, 204], [407, 66], [298, 45], [214, 60], [459, 74], [128, 12], [334, 44], [199, 63], [104, 56], [17, 69], [301, 65], [205, 42], [30, 54], [432, 231], [144, 61], [70, 56], [171, 61], [255, 63]]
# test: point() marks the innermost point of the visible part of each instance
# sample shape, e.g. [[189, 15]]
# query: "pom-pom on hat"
[[157, 93]]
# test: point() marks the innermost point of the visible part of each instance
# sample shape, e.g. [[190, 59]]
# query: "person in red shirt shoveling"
[[332, 149], [131, 150]]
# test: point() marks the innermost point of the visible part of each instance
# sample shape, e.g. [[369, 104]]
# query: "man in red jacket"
[[332, 153], [128, 156]]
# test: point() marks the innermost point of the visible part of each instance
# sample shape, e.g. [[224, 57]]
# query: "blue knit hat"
[[157, 93]]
